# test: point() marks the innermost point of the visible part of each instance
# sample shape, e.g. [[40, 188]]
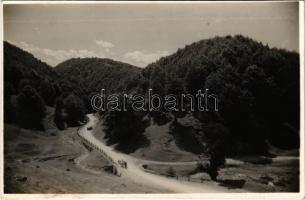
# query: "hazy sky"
[[141, 33]]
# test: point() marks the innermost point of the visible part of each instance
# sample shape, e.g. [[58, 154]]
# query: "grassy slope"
[[162, 145], [48, 163]]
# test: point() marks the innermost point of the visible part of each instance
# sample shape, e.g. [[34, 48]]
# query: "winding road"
[[136, 173]]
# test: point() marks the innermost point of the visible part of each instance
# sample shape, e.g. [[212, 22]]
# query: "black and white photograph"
[[152, 98]]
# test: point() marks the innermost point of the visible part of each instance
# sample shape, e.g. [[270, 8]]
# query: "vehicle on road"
[[122, 163]]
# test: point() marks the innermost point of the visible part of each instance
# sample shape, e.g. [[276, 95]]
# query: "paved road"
[[136, 173]]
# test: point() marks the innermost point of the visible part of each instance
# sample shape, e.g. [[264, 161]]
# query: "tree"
[[125, 129], [195, 79], [158, 81], [30, 108], [69, 109], [217, 138], [47, 92], [13, 74], [9, 106], [263, 90], [74, 107], [22, 83], [58, 117], [235, 101]]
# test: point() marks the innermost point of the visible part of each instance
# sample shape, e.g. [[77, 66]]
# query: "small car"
[[89, 128]]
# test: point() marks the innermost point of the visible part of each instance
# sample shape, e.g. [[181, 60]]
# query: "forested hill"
[[207, 56], [240, 63], [88, 75], [20, 65], [257, 86], [28, 82], [31, 84]]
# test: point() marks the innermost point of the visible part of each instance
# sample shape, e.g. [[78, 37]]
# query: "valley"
[[33, 157], [54, 142]]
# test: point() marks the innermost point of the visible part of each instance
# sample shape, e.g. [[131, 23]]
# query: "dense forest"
[[87, 76], [28, 87], [257, 88], [67, 87]]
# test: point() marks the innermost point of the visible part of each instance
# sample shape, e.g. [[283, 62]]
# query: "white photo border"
[[276, 196]]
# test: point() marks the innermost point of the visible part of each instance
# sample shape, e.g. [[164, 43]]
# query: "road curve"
[[136, 173]]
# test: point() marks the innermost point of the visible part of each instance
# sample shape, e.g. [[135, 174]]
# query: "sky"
[[141, 33]]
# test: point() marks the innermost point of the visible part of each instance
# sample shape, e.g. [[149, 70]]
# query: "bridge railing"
[[105, 155]]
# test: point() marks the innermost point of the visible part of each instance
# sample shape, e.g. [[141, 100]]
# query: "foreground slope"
[[37, 162]]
